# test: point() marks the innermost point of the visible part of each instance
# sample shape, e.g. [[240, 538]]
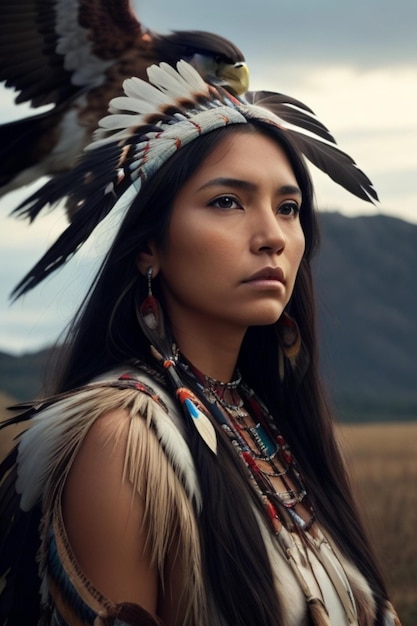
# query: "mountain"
[[366, 285], [367, 300], [21, 376]]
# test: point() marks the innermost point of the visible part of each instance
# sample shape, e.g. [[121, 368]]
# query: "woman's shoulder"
[[111, 450], [123, 501], [126, 408]]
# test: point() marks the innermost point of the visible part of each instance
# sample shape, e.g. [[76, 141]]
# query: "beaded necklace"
[[233, 405], [244, 413], [240, 404]]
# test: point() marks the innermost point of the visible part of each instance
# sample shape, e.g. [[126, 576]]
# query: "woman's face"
[[234, 240]]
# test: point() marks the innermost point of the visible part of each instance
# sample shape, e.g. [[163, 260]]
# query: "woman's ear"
[[149, 257]]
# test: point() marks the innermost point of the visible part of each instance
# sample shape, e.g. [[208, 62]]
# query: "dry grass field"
[[7, 435], [383, 461]]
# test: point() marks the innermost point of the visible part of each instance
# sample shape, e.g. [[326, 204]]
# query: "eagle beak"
[[235, 76]]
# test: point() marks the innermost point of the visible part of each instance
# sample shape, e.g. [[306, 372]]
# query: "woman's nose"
[[268, 235]]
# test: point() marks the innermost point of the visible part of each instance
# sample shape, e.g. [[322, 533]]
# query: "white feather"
[[178, 453], [40, 445], [169, 428], [123, 103], [137, 88], [169, 81], [100, 137], [59, 429], [192, 77], [120, 121]]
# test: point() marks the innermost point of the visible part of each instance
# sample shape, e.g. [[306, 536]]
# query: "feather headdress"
[[148, 125]]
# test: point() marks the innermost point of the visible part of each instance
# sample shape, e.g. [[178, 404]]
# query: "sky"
[[354, 63]]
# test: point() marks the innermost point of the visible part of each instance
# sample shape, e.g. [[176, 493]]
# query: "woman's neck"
[[214, 354]]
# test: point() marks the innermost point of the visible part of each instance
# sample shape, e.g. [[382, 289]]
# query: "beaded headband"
[[187, 107], [146, 127]]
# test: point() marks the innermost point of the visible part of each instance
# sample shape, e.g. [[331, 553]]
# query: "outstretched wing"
[[316, 143], [75, 55], [50, 51]]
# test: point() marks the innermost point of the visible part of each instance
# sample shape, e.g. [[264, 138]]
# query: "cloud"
[[372, 33], [373, 99], [38, 318], [372, 114]]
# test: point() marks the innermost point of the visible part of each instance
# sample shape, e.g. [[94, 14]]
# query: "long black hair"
[[105, 333]]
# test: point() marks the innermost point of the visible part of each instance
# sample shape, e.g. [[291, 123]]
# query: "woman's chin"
[[266, 318]]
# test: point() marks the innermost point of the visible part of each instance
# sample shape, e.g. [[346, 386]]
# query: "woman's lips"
[[267, 275]]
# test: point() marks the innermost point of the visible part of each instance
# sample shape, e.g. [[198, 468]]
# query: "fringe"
[[364, 599], [127, 614], [390, 617], [158, 464], [318, 613]]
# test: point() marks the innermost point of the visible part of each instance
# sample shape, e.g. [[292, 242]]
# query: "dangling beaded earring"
[[290, 337], [291, 346], [149, 307], [151, 320]]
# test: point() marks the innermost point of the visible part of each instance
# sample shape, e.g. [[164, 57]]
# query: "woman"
[[186, 471]]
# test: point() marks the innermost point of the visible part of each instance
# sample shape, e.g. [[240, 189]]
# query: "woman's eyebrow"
[[237, 183]]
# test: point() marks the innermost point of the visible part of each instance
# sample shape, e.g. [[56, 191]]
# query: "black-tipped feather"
[[16, 419], [290, 110], [338, 165], [93, 196], [84, 222], [325, 155], [85, 184]]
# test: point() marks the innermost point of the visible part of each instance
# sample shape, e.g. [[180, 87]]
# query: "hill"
[[365, 277], [367, 300], [21, 376]]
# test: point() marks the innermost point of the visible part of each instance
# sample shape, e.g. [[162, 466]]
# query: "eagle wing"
[[50, 51], [75, 55]]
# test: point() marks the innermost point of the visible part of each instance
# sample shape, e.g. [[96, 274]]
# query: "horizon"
[[38, 319]]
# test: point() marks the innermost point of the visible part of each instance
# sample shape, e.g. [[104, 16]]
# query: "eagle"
[[74, 56]]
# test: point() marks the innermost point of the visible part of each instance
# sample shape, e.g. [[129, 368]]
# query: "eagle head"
[[215, 58]]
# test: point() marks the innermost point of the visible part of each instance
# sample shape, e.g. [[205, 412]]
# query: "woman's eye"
[[289, 208], [225, 202]]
